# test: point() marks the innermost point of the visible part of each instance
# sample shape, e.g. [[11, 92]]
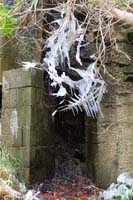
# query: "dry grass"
[[96, 17], [94, 21], [83, 22], [9, 183]]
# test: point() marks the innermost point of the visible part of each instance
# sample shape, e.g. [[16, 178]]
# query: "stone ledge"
[[18, 78]]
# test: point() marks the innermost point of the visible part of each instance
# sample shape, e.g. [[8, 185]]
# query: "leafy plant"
[[7, 160], [7, 21], [8, 166]]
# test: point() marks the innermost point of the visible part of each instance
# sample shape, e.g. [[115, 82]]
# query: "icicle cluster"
[[91, 86]]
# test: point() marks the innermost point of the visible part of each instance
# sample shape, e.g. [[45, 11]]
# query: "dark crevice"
[[123, 65], [69, 143], [129, 78], [130, 37]]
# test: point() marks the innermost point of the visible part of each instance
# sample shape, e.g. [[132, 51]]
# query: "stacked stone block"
[[110, 138], [25, 122]]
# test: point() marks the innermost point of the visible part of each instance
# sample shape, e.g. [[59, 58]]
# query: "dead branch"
[[123, 16]]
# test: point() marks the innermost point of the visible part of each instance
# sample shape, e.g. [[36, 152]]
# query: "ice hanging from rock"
[[86, 93]]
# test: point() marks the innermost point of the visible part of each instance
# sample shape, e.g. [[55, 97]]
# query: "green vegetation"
[[7, 160], [7, 21], [8, 165], [121, 2]]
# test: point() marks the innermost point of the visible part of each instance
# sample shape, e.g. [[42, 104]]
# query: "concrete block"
[[9, 98], [10, 140], [22, 138], [25, 136], [22, 154], [37, 96], [26, 122], [7, 120], [18, 78], [23, 117], [23, 97], [40, 136], [106, 177], [117, 112], [124, 88], [111, 151], [39, 116], [35, 131], [30, 96], [109, 113], [125, 113], [110, 96], [126, 99]]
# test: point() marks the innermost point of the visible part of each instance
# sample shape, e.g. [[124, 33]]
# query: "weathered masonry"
[[28, 130]]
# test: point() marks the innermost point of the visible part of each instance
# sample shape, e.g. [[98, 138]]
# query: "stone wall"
[[26, 123], [27, 128], [110, 138]]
